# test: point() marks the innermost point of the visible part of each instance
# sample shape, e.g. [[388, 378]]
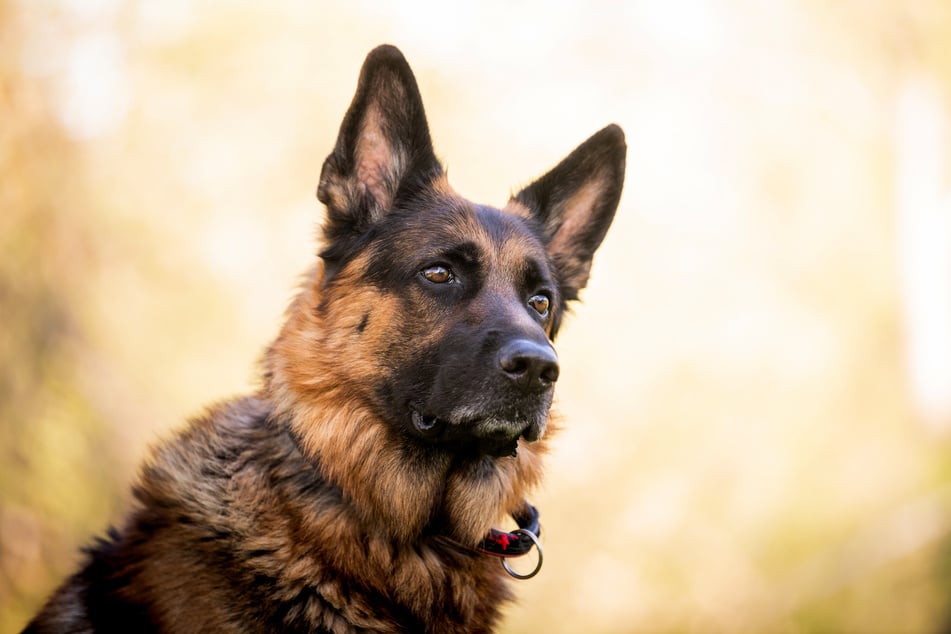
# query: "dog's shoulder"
[[194, 469], [216, 508], [225, 470]]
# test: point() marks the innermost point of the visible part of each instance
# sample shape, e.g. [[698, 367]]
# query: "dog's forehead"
[[503, 247], [499, 236]]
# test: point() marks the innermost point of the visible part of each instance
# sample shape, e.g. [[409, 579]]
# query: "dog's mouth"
[[492, 435]]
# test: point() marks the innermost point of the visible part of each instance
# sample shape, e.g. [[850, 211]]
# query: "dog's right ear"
[[383, 151]]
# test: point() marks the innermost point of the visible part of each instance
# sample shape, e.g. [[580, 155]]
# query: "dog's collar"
[[517, 543]]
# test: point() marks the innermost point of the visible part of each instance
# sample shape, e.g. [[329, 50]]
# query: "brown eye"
[[540, 303], [437, 274]]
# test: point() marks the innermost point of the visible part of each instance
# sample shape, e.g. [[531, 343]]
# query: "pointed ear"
[[383, 150], [575, 203]]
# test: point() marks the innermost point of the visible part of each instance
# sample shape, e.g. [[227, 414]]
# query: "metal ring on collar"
[[538, 566]]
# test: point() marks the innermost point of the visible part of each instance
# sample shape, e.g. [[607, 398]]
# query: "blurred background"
[[757, 389]]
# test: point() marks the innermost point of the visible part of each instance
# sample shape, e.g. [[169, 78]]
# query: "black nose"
[[533, 367]]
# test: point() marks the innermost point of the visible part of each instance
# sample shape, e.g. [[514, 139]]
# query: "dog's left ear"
[[383, 150], [575, 202]]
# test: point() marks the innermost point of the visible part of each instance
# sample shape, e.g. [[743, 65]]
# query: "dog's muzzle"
[[488, 416], [491, 435]]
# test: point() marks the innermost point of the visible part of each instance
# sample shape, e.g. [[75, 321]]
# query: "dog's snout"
[[533, 367]]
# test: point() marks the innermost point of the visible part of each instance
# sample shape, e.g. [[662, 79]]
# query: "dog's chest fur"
[[232, 532]]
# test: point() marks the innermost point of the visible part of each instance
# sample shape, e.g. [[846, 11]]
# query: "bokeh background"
[[757, 389]]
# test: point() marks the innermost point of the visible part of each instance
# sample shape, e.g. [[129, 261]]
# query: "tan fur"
[[517, 209]]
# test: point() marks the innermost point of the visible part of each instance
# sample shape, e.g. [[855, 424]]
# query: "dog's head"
[[436, 313]]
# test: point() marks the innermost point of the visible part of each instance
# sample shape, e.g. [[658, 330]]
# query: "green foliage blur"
[[56, 476]]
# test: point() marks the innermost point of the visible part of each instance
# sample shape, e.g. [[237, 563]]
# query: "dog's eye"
[[438, 274], [540, 303]]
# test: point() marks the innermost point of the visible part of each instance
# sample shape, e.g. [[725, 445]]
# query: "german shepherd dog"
[[403, 412]]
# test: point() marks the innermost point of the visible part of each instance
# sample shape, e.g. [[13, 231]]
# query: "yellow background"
[[756, 390]]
